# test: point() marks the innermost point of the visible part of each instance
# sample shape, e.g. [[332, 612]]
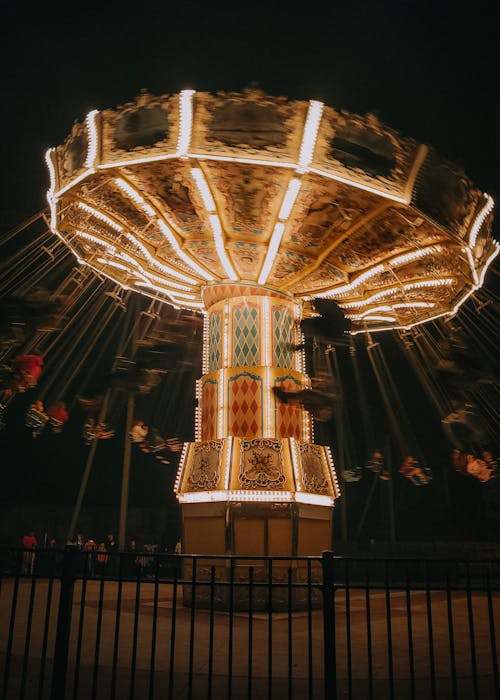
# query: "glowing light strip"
[[178, 295], [222, 407], [219, 246], [310, 135], [359, 185], [389, 319], [397, 290], [444, 313], [248, 161], [112, 263], [255, 496], [135, 196], [344, 289], [399, 260], [271, 251], [225, 341], [313, 499], [187, 259], [137, 161], [289, 199], [185, 122], [206, 340], [181, 467], [294, 455], [472, 266], [392, 307], [307, 427], [298, 339], [95, 239], [99, 215], [149, 275], [52, 170], [198, 410], [412, 305], [266, 332], [74, 182], [51, 199], [268, 423], [243, 495], [165, 268], [333, 472], [98, 270], [414, 255], [229, 454], [480, 219], [203, 189], [90, 120]]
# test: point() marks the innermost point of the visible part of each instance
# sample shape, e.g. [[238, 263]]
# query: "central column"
[[249, 349], [253, 482]]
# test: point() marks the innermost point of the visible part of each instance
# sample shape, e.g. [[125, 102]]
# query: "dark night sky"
[[428, 69]]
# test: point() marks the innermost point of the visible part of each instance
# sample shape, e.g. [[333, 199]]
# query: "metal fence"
[[82, 625]]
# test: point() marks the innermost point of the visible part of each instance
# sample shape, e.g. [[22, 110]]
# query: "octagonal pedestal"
[[255, 530]]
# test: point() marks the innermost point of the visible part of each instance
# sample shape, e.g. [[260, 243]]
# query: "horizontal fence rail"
[[77, 624]]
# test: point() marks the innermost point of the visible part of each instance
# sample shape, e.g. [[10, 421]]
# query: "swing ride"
[[295, 234]]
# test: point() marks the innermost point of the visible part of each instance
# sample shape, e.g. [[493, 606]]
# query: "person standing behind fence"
[[29, 543], [102, 558], [90, 547], [112, 549]]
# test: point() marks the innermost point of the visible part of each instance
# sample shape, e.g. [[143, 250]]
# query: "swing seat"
[[352, 475]]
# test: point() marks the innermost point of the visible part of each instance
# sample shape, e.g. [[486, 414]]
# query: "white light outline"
[[359, 185], [99, 215], [184, 256], [185, 122], [310, 135], [93, 139], [255, 496], [129, 190], [272, 250], [289, 199], [268, 425], [220, 248], [222, 404], [488, 206], [203, 189], [445, 281], [229, 454]]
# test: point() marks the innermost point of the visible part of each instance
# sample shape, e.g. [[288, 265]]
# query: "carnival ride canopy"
[[154, 202], [169, 194]]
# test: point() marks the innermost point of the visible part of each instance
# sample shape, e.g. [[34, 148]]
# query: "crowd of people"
[[96, 557]]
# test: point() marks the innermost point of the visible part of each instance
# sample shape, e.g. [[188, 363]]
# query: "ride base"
[[253, 484]]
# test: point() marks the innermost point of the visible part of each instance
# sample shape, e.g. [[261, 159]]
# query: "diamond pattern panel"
[[245, 335], [282, 320], [209, 410], [245, 405], [288, 417], [215, 341]]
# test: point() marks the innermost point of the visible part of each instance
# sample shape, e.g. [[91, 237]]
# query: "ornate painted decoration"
[[313, 471], [261, 465], [205, 471]]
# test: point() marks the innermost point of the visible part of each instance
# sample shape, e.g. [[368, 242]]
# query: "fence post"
[[63, 630], [329, 645]]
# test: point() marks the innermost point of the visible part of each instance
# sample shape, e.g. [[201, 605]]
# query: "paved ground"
[[212, 658]]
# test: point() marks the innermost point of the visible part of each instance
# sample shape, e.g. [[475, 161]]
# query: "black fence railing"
[[77, 625]]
